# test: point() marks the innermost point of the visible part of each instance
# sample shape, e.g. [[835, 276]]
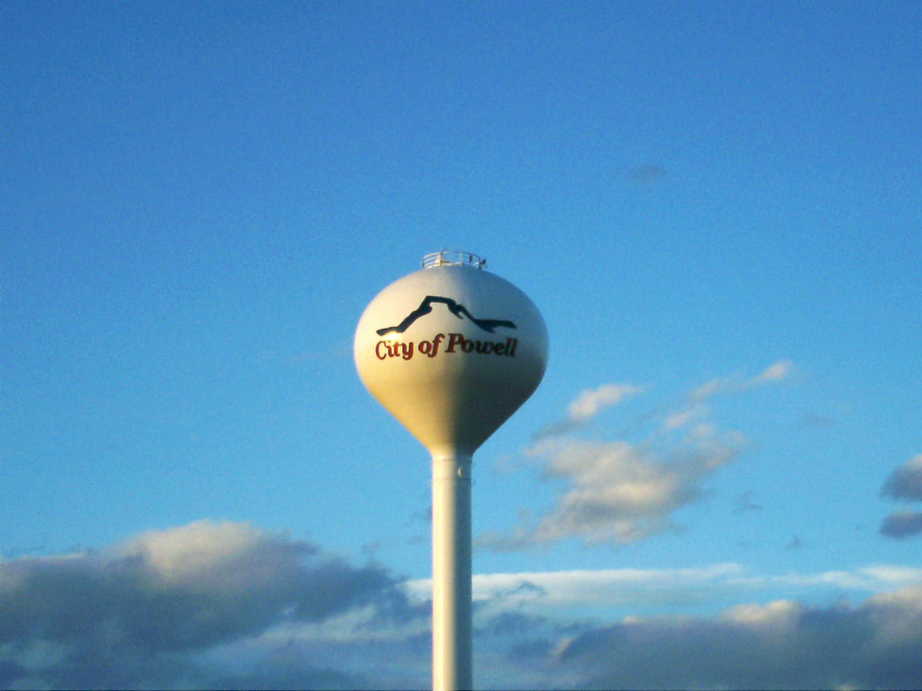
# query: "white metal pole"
[[451, 573]]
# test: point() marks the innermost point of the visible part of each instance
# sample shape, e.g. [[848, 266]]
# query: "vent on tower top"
[[453, 258]]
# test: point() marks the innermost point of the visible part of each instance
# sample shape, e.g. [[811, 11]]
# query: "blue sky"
[[716, 206]]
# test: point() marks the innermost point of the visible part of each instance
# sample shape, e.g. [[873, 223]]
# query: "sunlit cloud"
[[587, 405], [591, 402], [777, 371], [619, 492], [890, 575]]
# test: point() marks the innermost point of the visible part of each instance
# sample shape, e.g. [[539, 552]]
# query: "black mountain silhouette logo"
[[460, 311]]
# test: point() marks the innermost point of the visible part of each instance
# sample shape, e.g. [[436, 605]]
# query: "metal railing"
[[453, 258]]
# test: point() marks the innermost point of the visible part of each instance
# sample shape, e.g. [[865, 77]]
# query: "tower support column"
[[452, 666]]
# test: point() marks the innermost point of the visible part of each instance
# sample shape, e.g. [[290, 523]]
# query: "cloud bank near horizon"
[[135, 614], [226, 605], [779, 645]]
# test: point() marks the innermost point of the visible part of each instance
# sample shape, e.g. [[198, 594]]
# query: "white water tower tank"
[[451, 351]]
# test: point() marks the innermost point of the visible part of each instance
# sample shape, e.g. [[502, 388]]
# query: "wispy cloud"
[[777, 371], [587, 405], [591, 402], [544, 590], [638, 589], [874, 578], [695, 406]]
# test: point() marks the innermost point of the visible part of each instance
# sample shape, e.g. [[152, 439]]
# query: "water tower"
[[451, 351]]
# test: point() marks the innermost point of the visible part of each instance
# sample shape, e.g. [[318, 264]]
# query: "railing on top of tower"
[[453, 258]]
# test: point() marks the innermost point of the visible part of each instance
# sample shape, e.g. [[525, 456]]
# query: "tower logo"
[[455, 343], [460, 311]]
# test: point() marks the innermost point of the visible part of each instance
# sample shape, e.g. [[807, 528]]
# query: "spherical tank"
[[451, 351]]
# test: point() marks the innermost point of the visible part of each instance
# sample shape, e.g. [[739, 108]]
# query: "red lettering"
[[454, 340]]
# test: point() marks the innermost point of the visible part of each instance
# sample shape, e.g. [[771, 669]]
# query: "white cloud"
[[619, 492], [616, 492], [778, 614], [591, 402], [890, 575], [587, 404], [874, 578], [635, 588], [775, 372], [602, 587], [192, 550]]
